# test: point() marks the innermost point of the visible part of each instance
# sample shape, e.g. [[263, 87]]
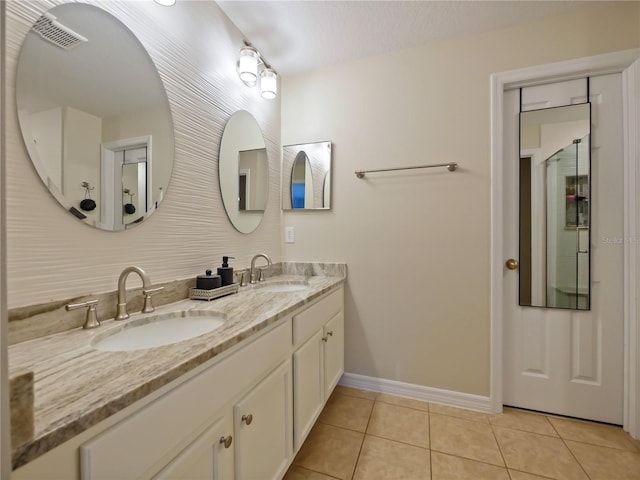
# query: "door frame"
[[627, 63]]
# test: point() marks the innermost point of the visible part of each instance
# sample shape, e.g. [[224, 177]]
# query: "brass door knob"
[[512, 264]]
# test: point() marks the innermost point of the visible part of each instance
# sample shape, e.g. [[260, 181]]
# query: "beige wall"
[[53, 256], [417, 243]]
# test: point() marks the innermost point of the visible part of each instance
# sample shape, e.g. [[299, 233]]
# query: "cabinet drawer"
[[306, 323], [154, 435]]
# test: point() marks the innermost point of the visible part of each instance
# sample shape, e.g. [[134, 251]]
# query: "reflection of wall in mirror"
[[326, 193], [76, 135], [45, 144], [255, 165], [82, 133], [155, 124]]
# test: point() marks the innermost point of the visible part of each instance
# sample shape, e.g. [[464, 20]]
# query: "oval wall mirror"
[[306, 176], [94, 116], [243, 169]]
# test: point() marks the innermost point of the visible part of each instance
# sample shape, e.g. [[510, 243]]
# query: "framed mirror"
[[555, 218], [243, 169], [306, 176], [89, 99]]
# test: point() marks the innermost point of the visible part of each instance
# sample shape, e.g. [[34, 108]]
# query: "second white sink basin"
[[158, 331]]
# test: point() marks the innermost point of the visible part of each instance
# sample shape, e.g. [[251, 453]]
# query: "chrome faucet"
[[122, 313], [253, 266]]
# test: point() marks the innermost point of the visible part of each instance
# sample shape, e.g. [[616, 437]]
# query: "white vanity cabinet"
[[318, 360], [209, 457], [261, 444], [177, 428], [263, 426], [240, 416]]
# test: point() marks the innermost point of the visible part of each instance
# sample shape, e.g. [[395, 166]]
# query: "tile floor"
[[363, 435]]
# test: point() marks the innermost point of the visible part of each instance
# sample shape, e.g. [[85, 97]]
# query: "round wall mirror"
[[243, 169], [94, 116]]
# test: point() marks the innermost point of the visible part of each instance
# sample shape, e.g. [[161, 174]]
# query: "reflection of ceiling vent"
[[58, 34]]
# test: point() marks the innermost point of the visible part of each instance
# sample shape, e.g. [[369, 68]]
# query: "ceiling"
[[298, 36]]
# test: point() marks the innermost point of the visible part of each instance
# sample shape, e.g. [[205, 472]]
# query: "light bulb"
[[269, 84], [248, 65]]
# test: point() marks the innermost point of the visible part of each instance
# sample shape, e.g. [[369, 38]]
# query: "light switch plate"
[[289, 235]]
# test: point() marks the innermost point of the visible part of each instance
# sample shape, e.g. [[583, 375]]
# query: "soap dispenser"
[[226, 272]]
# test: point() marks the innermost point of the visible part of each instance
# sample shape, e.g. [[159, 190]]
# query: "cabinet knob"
[[247, 419], [330, 333], [226, 441]]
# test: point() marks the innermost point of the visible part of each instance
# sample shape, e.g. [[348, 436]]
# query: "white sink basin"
[[283, 287], [157, 331]]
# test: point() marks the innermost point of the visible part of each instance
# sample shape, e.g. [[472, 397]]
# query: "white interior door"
[[570, 362]]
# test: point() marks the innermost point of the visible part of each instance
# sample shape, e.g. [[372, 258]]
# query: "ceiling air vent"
[[49, 29]]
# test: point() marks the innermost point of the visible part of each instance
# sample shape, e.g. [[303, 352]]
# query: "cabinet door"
[[263, 428], [209, 457], [333, 352], [308, 386]]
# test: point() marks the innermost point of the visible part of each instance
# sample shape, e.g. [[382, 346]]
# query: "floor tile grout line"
[[462, 418], [398, 441], [364, 436], [324, 422], [475, 460], [523, 430], [430, 445], [567, 446], [315, 471], [599, 445], [504, 460], [529, 473]]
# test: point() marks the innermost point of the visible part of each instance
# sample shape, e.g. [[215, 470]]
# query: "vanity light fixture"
[[250, 65], [268, 83]]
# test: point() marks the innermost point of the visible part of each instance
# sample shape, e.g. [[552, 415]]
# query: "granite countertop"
[[75, 386]]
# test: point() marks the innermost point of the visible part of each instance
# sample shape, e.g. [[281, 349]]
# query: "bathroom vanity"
[[236, 402]]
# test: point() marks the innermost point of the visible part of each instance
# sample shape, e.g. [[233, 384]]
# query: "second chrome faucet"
[[253, 266], [147, 291]]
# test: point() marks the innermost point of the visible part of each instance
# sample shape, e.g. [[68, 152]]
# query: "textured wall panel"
[[53, 256]]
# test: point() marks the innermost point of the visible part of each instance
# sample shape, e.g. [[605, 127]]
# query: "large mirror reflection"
[[94, 116], [554, 207], [243, 169], [306, 176]]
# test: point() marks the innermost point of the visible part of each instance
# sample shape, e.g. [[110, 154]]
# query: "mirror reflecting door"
[[81, 99], [554, 207]]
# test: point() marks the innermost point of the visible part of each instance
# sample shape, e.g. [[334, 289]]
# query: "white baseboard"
[[418, 392]]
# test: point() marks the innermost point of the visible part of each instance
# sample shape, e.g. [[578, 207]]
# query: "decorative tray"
[[200, 294]]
